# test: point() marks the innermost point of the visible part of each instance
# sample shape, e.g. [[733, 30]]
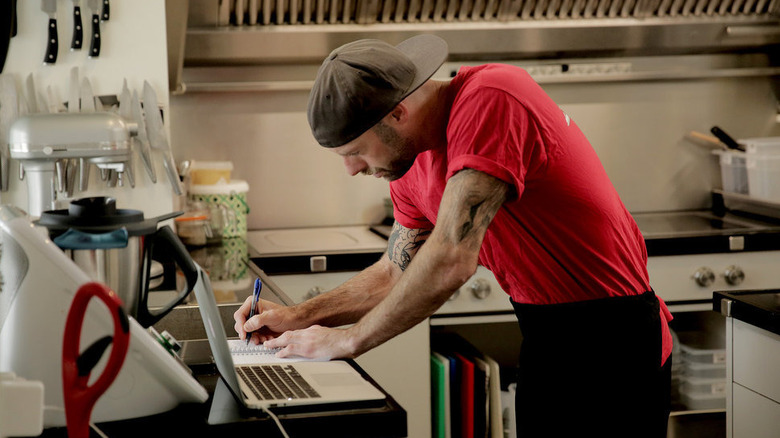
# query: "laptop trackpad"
[[336, 379]]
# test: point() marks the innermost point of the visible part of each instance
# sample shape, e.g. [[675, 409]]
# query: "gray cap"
[[361, 82]]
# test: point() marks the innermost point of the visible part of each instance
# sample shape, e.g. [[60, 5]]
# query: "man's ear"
[[399, 114]]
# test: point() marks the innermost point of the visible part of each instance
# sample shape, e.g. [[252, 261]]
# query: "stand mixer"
[[49, 146]]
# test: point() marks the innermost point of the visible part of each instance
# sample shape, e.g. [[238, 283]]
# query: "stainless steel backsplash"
[[635, 111]]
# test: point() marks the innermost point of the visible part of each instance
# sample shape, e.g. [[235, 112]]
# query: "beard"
[[403, 153]]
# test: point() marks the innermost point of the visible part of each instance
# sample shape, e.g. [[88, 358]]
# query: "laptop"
[[258, 379]]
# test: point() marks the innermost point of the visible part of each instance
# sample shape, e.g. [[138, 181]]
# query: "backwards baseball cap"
[[361, 82]]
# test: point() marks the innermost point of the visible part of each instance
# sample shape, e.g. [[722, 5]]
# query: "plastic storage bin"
[[701, 355], [693, 385], [762, 145], [705, 370], [696, 401], [733, 171], [763, 171]]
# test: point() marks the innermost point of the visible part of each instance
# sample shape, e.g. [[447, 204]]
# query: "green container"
[[231, 197]]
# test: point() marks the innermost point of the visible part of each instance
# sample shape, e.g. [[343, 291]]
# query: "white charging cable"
[[276, 420]]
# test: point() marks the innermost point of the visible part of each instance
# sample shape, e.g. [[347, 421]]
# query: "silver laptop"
[[258, 379]]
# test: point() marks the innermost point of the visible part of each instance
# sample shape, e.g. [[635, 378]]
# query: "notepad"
[[245, 354]]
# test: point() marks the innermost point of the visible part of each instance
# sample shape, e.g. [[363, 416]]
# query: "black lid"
[[99, 215]]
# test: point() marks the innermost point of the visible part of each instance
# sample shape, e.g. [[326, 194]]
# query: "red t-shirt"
[[564, 235]]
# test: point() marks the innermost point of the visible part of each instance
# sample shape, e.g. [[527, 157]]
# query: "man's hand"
[[315, 342], [269, 321]]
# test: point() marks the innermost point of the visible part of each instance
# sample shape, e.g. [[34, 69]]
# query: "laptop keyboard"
[[276, 382]]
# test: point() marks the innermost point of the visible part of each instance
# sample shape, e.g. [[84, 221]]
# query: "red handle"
[[79, 397]]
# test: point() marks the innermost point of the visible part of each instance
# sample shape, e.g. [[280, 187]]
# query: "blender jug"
[[115, 247]]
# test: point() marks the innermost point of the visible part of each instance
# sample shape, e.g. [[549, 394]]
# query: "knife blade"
[[157, 137], [32, 96], [87, 97], [94, 46], [78, 32], [143, 139], [52, 44], [74, 91], [106, 14]]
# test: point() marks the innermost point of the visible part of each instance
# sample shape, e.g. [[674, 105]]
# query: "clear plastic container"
[[693, 385], [733, 171], [696, 402], [763, 171], [762, 145], [704, 356], [704, 370]]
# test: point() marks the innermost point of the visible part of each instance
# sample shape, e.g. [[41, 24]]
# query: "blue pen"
[[255, 299]]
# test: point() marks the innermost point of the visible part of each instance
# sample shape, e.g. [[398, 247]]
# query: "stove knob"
[[704, 276], [454, 295], [734, 275], [480, 288]]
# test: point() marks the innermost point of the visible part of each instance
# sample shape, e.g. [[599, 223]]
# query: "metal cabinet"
[[753, 396]]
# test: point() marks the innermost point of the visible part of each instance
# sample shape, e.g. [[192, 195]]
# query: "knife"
[[52, 45], [74, 91], [32, 96], [94, 46], [142, 138], [106, 11], [726, 139], [157, 137], [78, 32], [87, 97]]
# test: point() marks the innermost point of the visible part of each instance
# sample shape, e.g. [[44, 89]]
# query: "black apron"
[[592, 368]]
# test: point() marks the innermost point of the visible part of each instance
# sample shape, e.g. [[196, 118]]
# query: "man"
[[486, 169]]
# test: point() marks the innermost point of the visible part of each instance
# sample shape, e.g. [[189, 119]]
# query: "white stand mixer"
[[49, 146]]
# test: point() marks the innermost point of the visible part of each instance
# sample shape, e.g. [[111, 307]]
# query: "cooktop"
[[701, 231], [299, 250]]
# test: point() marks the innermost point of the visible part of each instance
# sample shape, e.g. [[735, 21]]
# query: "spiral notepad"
[[245, 354], [240, 347]]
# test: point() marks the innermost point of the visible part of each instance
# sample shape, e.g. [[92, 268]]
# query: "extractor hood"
[[223, 33]]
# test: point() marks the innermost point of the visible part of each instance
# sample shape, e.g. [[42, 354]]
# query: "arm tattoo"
[[403, 244], [477, 197], [469, 224]]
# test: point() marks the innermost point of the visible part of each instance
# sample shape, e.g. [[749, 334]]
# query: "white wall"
[[133, 48]]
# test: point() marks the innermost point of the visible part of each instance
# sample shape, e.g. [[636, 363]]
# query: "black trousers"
[[592, 368]]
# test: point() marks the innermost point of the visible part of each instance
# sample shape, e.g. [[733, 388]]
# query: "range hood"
[[221, 33]]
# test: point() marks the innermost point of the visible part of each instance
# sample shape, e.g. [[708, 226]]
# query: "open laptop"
[[258, 379]]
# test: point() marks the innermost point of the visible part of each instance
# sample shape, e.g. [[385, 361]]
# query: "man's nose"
[[354, 165]]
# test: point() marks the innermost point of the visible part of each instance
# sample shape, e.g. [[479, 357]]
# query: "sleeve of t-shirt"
[[492, 132], [405, 212]]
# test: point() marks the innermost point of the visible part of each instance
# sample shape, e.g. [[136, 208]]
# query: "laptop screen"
[[216, 332]]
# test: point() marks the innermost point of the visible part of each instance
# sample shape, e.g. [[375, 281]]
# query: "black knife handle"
[[78, 31], [94, 47], [726, 139], [106, 11], [52, 46]]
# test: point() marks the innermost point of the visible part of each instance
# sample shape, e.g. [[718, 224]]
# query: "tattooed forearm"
[[403, 244]]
